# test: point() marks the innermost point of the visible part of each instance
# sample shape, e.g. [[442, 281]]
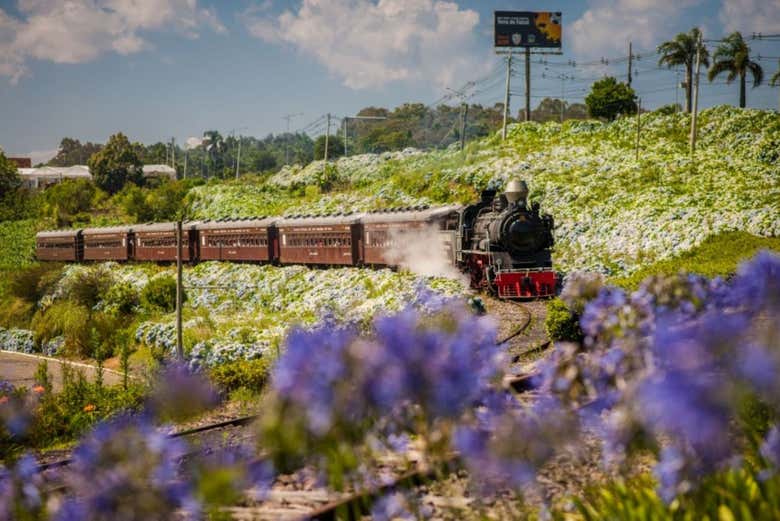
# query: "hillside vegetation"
[[614, 213]]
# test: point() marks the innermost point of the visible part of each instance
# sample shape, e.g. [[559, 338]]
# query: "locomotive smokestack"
[[516, 191]]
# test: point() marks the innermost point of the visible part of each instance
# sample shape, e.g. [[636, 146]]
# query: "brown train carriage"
[[383, 232], [156, 242], [111, 243], [59, 245], [320, 240], [239, 240]]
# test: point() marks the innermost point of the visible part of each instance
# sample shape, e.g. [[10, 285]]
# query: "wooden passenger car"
[[320, 240], [112, 243], [383, 232], [239, 240], [157, 242], [60, 245]]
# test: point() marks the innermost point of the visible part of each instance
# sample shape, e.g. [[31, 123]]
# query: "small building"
[[50, 175], [159, 171], [21, 162]]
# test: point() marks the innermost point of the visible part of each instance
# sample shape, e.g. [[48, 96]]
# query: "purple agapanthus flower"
[[127, 469], [22, 493]]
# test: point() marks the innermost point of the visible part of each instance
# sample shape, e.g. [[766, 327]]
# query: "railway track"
[[324, 504]]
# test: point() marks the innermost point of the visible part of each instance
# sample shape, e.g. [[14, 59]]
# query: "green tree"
[[73, 152], [549, 109], [733, 56], [263, 161], [116, 164], [335, 147], [9, 176], [682, 51], [608, 98]]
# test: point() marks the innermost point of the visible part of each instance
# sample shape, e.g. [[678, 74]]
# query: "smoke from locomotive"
[[501, 243]]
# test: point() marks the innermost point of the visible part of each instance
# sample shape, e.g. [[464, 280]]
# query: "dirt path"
[[19, 369]]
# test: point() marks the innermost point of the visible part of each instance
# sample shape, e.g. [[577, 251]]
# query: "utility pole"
[[506, 94], [528, 84], [173, 153], [463, 126], [238, 158], [186, 156], [630, 59], [696, 95], [179, 292], [327, 136], [638, 125], [288, 117], [345, 136]]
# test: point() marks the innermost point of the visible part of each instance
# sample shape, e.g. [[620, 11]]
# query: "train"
[[503, 244]]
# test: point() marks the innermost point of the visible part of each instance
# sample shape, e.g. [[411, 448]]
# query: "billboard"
[[521, 29]]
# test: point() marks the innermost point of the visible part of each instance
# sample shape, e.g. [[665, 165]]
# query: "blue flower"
[[770, 449], [128, 469], [22, 490]]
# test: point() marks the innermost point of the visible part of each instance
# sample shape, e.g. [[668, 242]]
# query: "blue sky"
[[160, 68]]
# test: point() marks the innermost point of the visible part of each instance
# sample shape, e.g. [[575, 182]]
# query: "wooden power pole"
[[528, 84], [179, 292], [506, 94], [327, 136], [696, 95]]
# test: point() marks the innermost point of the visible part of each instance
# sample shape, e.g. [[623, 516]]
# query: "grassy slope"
[[717, 256]]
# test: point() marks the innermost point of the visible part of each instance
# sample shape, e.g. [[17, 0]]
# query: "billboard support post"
[[506, 94], [528, 84], [525, 30]]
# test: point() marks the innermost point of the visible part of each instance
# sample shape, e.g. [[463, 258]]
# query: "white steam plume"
[[424, 251]]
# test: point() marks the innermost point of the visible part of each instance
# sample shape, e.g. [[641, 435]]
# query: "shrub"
[[15, 313], [160, 293], [66, 201], [121, 299], [247, 374], [67, 319], [561, 323], [65, 415], [32, 283], [87, 287]]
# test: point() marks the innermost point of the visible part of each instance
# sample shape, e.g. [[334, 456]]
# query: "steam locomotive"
[[501, 243]]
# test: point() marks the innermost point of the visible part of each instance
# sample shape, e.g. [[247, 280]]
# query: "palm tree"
[[682, 51], [775, 81], [215, 147], [733, 56]]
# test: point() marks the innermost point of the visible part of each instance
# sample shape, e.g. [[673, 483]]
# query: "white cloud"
[[368, 43], [749, 16], [76, 31], [608, 25]]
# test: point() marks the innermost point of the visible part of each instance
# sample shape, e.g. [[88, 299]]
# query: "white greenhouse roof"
[[159, 171], [56, 172]]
